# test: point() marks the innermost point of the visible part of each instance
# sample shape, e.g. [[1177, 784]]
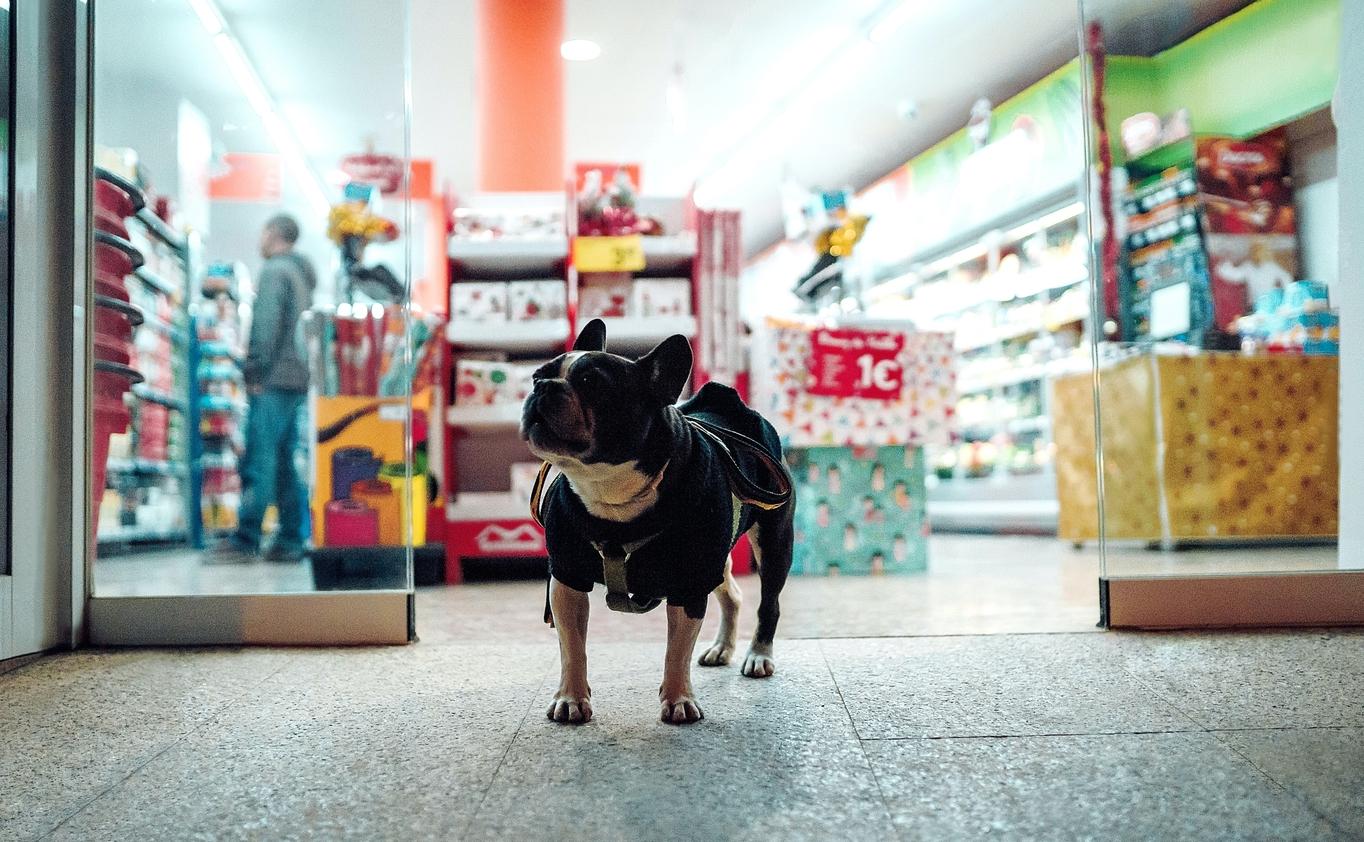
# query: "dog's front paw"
[[679, 708], [571, 706], [717, 655], [758, 664]]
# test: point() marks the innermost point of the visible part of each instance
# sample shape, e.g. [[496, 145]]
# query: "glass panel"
[[253, 432], [1215, 175], [6, 276]]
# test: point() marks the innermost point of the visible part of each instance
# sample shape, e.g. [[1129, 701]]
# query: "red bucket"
[[115, 318], [115, 257], [107, 222], [113, 350], [110, 416], [350, 523], [116, 195]]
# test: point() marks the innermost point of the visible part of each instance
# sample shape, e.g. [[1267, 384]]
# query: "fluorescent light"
[[209, 16], [891, 21], [1056, 217], [579, 50], [279, 131]]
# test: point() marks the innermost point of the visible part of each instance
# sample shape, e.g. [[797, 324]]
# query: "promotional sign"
[[383, 171], [247, 177], [853, 363], [850, 386], [608, 254], [607, 174]]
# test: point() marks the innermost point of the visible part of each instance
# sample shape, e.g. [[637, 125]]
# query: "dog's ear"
[[667, 367], [592, 337]]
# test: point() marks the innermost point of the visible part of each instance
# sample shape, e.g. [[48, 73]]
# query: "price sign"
[[608, 254], [848, 363]]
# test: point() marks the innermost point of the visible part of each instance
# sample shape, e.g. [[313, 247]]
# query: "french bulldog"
[[635, 473]]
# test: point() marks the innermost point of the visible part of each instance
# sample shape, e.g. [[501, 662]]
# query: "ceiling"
[[761, 90]]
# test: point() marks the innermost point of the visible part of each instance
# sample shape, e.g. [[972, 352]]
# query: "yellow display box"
[[380, 425], [1204, 447]]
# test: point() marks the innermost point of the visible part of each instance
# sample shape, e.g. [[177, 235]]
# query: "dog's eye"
[[591, 380]]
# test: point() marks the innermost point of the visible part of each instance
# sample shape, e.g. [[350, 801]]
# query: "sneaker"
[[284, 554], [228, 551]]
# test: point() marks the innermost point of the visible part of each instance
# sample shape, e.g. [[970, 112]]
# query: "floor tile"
[[993, 686], [1113, 787], [1256, 679], [679, 783], [1323, 767], [799, 701], [76, 724]]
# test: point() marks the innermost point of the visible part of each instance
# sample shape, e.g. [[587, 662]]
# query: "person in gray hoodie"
[[276, 375]]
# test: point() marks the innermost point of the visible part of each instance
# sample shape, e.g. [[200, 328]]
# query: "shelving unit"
[[157, 464], [484, 519], [1018, 300]]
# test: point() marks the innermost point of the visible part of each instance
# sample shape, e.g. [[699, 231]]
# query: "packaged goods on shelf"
[[604, 295], [480, 301], [651, 297], [517, 224], [534, 300], [523, 475], [485, 383]]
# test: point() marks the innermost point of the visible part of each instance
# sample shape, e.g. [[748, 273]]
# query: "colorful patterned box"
[[533, 300], [479, 301], [660, 297], [860, 511], [604, 295], [484, 383]]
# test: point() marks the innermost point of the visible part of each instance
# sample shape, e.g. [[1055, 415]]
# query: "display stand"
[[150, 477], [484, 519]]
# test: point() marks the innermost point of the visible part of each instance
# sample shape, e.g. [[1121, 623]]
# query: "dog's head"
[[594, 407]]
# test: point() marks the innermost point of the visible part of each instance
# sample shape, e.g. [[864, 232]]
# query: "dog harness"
[[615, 557]]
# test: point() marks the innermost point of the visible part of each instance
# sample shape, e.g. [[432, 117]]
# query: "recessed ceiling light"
[[579, 50]]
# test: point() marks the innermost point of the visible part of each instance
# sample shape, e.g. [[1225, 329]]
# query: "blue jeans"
[[269, 473]]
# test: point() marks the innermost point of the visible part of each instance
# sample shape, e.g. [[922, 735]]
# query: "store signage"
[[608, 254], [849, 363], [383, 171], [497, 538], [247, 177], [606, 174]]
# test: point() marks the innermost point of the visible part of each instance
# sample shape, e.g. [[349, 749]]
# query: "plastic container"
[[117, 195], [411, 507], [111, 416], [349, 466], [349, 523], [380, 497], [115, 318]]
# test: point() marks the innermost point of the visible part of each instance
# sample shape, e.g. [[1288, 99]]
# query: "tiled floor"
[[884, 720]]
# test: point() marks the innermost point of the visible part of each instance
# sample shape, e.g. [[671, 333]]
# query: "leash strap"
[[743, 488]]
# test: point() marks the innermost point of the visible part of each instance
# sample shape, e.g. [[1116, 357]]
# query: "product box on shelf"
[[533, 300], [660, 297], [484, 383], [860, 511], [479, 301], [604, 295]]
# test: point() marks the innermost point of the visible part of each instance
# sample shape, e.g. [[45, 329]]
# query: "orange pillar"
[[520, 95]]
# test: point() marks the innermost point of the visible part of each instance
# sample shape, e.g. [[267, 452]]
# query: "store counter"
[[1209, 446]]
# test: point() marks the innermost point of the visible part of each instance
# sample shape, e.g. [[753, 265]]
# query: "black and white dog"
[[643, 480]]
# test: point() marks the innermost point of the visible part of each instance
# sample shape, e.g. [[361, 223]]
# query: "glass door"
[[1221, 479], [258, 375]]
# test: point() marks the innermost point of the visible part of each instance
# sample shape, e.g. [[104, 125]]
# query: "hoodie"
[[276, 356]]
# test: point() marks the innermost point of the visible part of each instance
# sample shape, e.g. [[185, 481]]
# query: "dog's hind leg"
[[772, 539], [730, 599]]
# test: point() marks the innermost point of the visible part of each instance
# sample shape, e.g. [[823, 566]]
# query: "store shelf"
[[641, 334], [1015, 376], [546, 336], [1022, 426], [1011, 332], [142, 536], [507, 258], [486, 505], [485, 419], [670, 254], [161, 230], [156, 282], [142, 392], [150, 467]]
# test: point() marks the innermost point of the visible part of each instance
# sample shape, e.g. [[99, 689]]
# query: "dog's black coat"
[[692, 521]]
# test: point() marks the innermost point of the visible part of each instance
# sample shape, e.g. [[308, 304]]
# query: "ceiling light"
[[891, 21], [579, 50], [209, 16]]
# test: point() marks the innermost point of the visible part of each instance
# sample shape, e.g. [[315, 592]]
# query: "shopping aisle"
[[1021, 736]]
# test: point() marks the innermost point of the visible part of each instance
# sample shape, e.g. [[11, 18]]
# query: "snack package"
[[604, 295], [481, 301], [533, 300], [661, 297]]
